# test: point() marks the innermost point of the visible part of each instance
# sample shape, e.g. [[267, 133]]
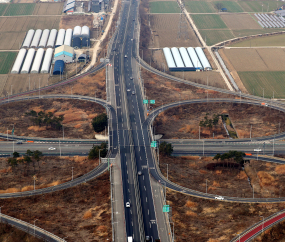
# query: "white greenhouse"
[[77, 31], [203, 58], [28, 61], [68, 37], [28, 39], [19, 61], [186, 59], [177, 58], [169, 59], [60, 38], [38, 61], [47, 61], [51, 39], [85, 32], [44, 39], [36, 38], [195, 60]]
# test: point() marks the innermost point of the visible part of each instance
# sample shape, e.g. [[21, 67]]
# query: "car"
[[126, 56], [219, 198], [128, 205], [134, 19], [139, 173], [131, 78], [51, 148], [128, 90], [19, 142], [133, 92], [147, 238], [114, 49]]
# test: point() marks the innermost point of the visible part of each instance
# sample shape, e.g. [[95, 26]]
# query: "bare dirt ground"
[[81, 213], [70, 21], [51, 8], [252, 59], [206, 220], [50, 171], [183, 122], [240, 21], [91, 85], [166, 91], [77, 114], [165, 32]]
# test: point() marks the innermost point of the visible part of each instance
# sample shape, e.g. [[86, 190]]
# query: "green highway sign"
[[166, 208], [145, 101], [153, 144], [152, 101]]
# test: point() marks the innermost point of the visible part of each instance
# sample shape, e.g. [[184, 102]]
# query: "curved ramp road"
[[260, 227], [30, 229]]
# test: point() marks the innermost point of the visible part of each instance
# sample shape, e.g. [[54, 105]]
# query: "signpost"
[[152, 101], [166, 208], [145, 101], [153, 144]]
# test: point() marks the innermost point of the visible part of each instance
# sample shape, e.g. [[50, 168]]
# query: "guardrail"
[[30, 229]]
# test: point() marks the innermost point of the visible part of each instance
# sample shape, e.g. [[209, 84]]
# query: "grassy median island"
[[83, 212], [205, 220]]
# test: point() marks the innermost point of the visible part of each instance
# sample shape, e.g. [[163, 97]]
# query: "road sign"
[[166, 208], [152, 101], [257, 150], [153, 144], [145, 101]]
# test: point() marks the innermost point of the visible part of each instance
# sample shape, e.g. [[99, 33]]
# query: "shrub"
[[100, 122]]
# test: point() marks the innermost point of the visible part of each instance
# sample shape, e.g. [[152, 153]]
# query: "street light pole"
[[35, 227], [167, 171], [99, 155], [72, 173]]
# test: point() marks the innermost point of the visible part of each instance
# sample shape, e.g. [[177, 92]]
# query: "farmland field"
[[164, 7], [271, 81], [216, 36], [3, 7], [240, 21], [208, 21], [6, 61], [20, 9], [48, 9], [229, 5], [256, 6], [259, 59], [165, 27], [274, 40], [199, 7], [247, 32]]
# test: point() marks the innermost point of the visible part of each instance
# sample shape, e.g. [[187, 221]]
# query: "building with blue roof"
[[64, 53]]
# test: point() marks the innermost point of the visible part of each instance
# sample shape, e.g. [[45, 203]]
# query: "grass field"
[[271, 81], [256, 6], [208, 21], [216, 36], [199, 7], [2, 8], [164, 7], [6, 61], [230, 6], [17, 9], [275, 40]]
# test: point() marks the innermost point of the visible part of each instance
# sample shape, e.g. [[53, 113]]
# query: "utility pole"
[[72, 173], [250, 130], [199, 131], [167, 171]]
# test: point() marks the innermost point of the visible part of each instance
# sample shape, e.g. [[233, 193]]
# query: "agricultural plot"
[[17, 9], [165, 29], [269, 81], [164, 7], [48, 9], [247, 32], [6, 61], [256, 6], [240, 21], [11, 40], [3, 7], [199, 7], [251, 59], [208, 21], [215, 36], [274, 40], [232, 7]]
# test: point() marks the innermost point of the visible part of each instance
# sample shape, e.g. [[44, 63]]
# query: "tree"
[[100, 122], [12, 162], [219, 6], [37, 156], [165, 148], [16, 155], [94, 152]]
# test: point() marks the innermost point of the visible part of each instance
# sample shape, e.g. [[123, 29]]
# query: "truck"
[[130, 239]]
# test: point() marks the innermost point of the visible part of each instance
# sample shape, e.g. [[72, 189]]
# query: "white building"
[[65, 53]]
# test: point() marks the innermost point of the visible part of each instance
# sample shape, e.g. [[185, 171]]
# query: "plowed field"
[[240, 21], [48, 9], [165, 29]]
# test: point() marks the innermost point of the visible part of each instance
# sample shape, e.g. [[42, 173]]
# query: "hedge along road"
[[92, 174]]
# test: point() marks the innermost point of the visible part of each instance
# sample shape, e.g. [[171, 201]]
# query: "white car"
[[128, 90], [51, 148], [128, 205], [219, 198], [126, 56]]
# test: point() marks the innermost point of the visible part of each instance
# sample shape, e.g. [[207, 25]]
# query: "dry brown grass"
[[265, 179], [37, 128], [87, 215], [191, 213], [216, 184], [280, 170], [190, 204], [242, 175]]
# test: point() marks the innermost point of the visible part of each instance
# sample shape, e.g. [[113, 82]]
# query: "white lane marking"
[[146, 199], [144, 188]]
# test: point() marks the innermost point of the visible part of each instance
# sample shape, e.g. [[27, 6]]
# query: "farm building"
[[47, 61], [203, 59], [44, 39], [52, 38], [82, 58], [85, 32], [76, 43], [36, 38], [186, 59], [60, 38], [28, 39], [69, 6], [95, 6], [169, 59], [64, 53], [19, 61], [85, 42], [38, 61], [195, 60], [68, 37], [177, 58], [28, 61], [58, 67], [76, 32]]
